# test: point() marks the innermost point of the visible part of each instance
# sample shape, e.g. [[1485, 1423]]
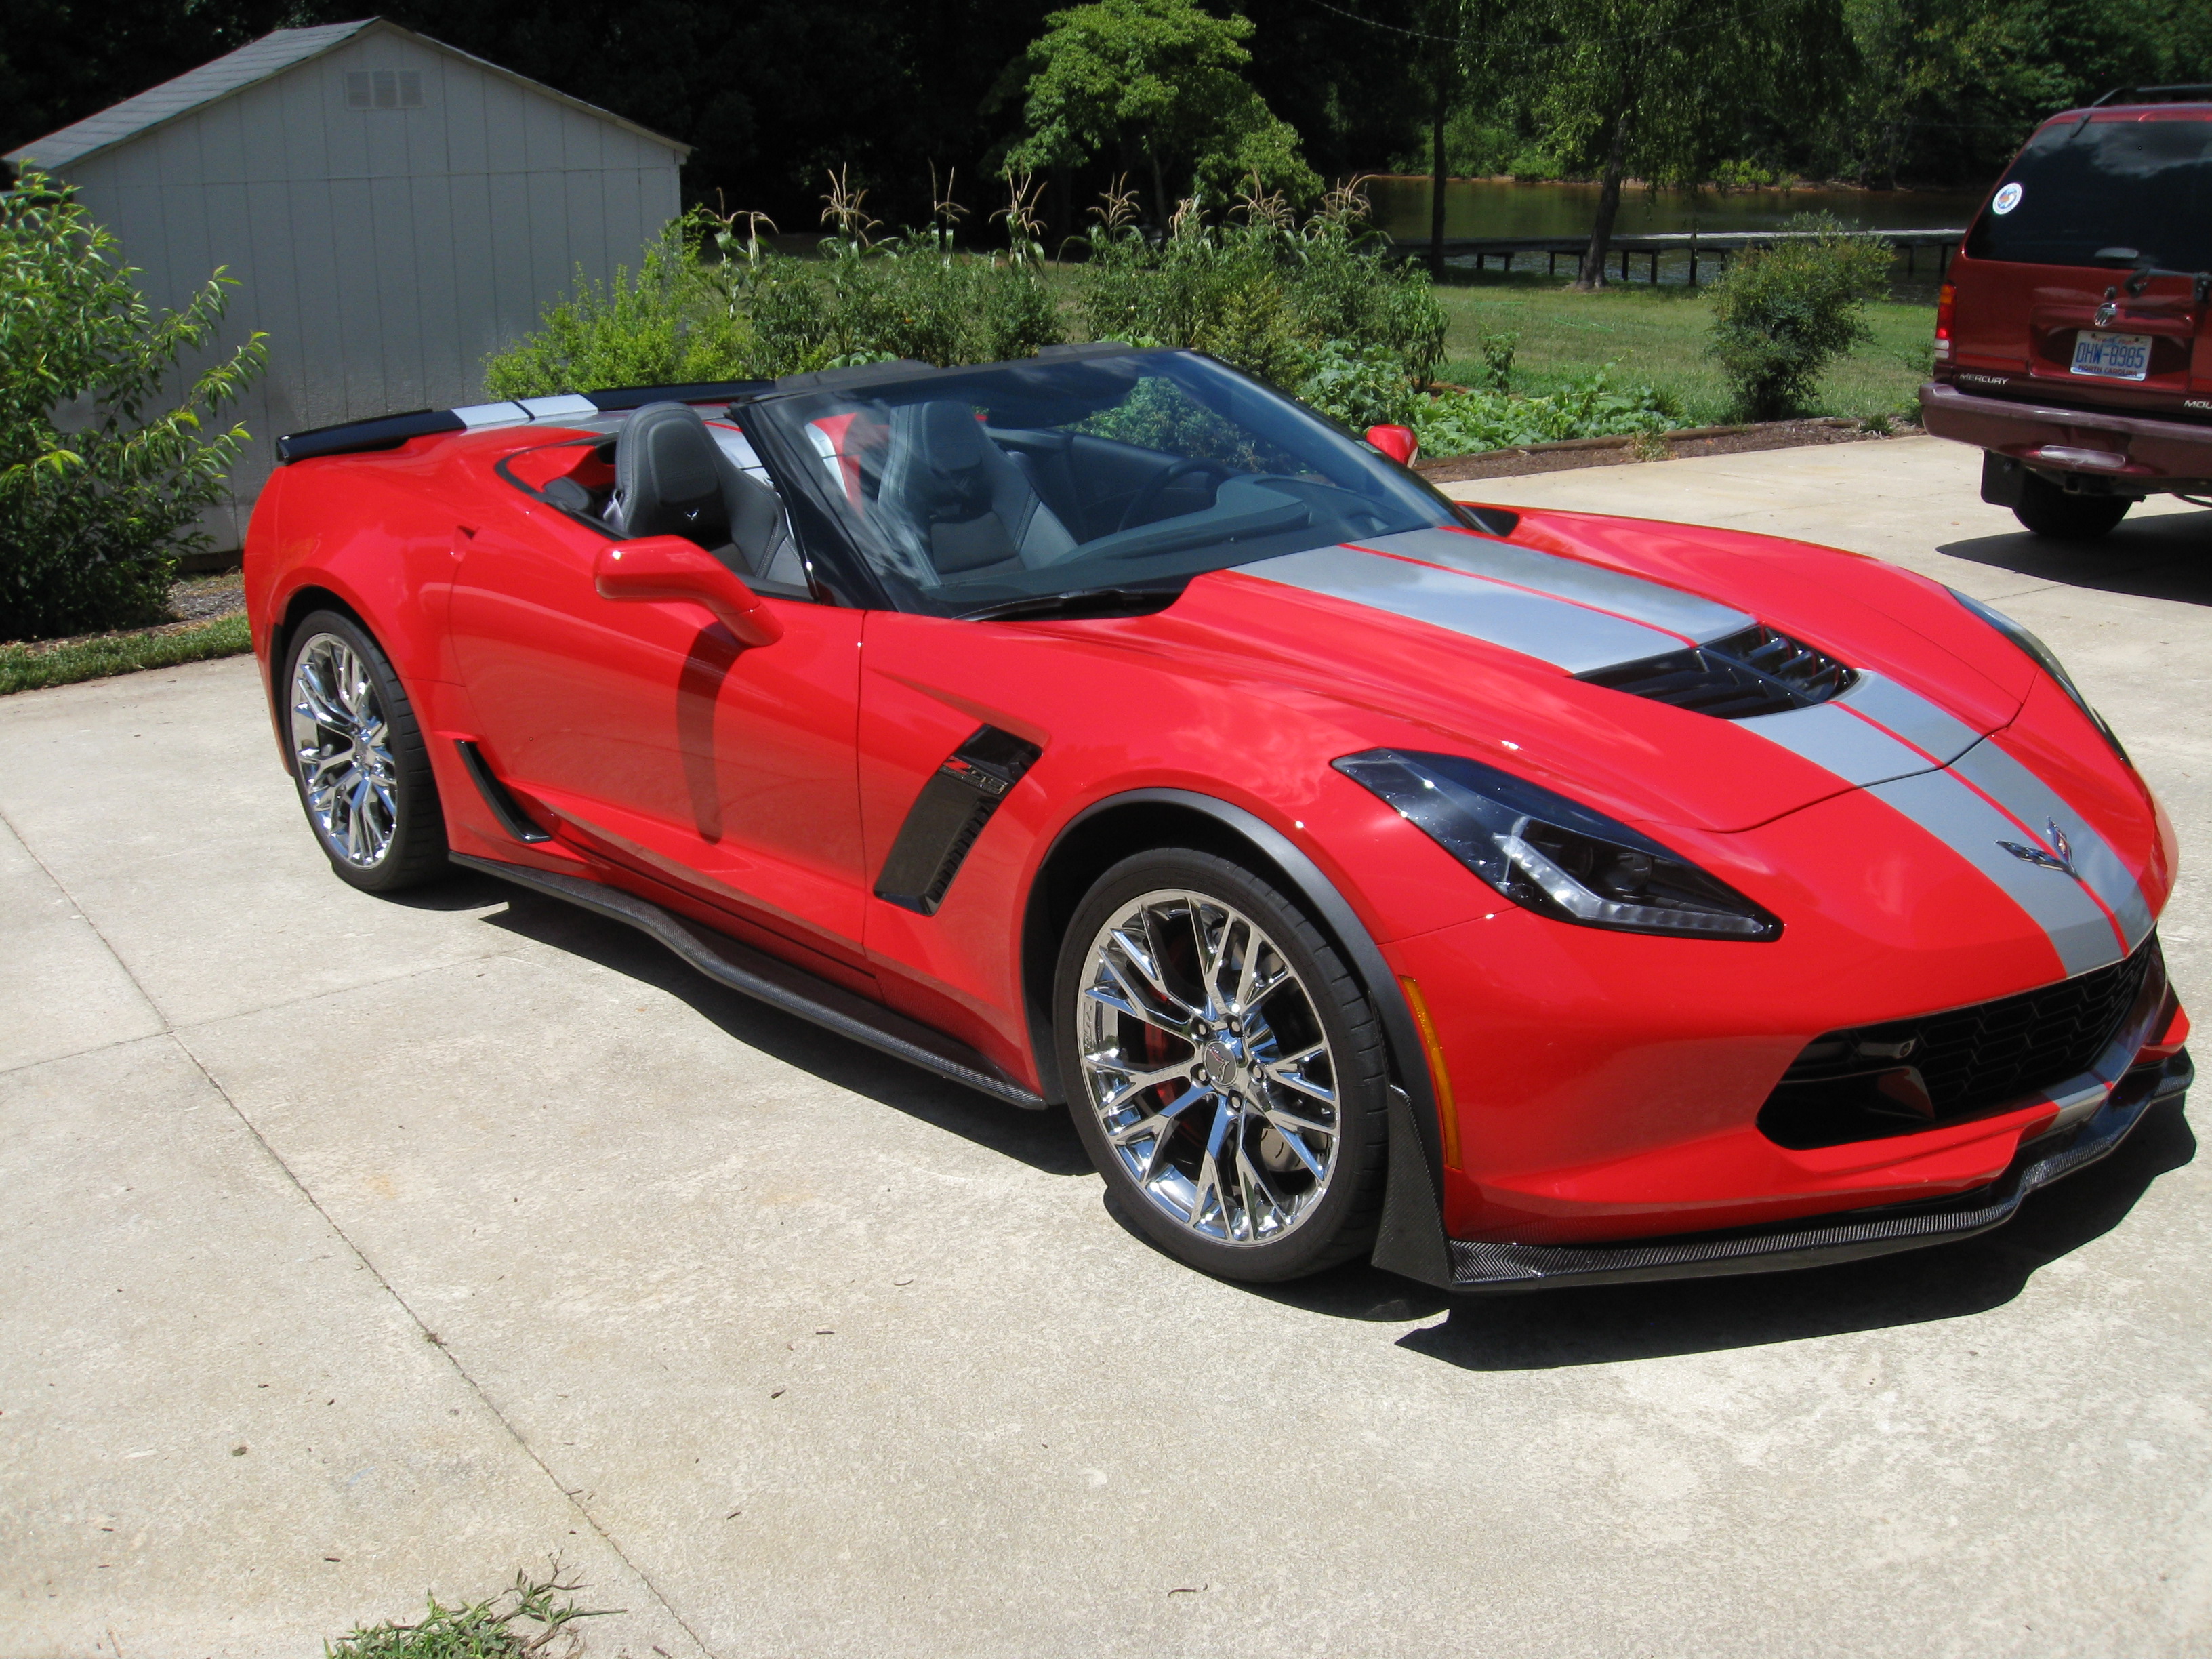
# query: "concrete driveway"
[[352, 1248]]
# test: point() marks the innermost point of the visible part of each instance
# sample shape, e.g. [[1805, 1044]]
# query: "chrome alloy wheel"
[[1209, 1068], [342, 747]]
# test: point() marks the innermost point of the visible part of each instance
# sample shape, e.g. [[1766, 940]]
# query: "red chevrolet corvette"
[[1516, 899]]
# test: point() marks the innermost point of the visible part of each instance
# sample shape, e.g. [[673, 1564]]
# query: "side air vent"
[[950, 813], [1757, 672]]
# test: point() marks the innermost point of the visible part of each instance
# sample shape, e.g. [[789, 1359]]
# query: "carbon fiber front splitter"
[[1479, 1265]]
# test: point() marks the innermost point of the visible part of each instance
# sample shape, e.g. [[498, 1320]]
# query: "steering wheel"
[[1158, 483]]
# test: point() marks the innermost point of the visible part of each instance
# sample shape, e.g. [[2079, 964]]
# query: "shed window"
[[384, 89]]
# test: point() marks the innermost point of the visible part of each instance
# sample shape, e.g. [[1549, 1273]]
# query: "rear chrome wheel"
[[341, 746], [358, 758], [1224, 1070]]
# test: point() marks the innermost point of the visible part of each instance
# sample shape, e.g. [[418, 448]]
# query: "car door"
[[661, 744]]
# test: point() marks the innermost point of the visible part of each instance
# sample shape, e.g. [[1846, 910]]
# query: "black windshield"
[[2137, 191], [971, 488]]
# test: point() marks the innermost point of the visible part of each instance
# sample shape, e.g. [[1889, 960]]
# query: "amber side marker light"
[[1447, 1109]]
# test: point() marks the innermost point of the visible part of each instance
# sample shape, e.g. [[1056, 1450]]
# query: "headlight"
[[2044, 658], [1549, 855]]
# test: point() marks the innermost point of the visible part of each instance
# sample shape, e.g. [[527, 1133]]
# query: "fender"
[[1410, 1239]]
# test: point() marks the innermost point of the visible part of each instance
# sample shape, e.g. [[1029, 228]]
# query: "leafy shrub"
[[93, 517], [1497, 360], [708, 305], [1294, 305], [1469, 423], [1781, 315], [649, 330], [1357, 388]]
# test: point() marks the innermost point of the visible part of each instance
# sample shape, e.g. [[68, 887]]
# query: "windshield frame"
[[827, 524]]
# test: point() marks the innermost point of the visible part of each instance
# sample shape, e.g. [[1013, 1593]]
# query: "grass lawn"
[[26, 667], [1659, 335]]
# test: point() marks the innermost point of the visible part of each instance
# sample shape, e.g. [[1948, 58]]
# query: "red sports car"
[[1515, 899]]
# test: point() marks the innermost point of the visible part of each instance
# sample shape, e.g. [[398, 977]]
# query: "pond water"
[[1489, 207]]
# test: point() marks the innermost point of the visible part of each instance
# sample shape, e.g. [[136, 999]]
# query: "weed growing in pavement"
[[498, 1628]]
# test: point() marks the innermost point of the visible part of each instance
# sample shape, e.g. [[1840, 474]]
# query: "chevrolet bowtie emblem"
[[2059, 857]]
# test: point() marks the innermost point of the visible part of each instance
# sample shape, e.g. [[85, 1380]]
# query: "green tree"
[[1163, 79], [1947, 89], [95, 507], [1661, 90]]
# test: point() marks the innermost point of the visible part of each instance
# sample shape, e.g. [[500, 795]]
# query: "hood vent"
[[1757, 672]]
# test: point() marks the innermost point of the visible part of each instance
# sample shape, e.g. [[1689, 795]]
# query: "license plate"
[[2115, 357]]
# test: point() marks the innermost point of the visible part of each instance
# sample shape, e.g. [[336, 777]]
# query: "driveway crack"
[[170, 1030]]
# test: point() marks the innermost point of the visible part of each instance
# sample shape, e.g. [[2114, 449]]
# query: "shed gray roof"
[[234, 72]]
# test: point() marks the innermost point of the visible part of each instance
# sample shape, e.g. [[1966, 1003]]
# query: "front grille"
[[1756, 671], [1911, 1074]]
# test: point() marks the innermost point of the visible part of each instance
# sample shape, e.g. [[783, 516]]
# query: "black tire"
[[382, 827], [2048, 510], [1340, 1213]]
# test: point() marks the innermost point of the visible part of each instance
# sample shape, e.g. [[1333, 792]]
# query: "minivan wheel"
[[1224, 1070], [2048, 510], [359, 760]]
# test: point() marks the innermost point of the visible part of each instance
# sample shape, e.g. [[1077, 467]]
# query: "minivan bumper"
[[2131, 454]]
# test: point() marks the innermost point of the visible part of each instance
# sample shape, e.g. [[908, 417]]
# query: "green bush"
[[1469, 423], [708, 305], [1781, 315], [1297, 306], [94, 515], [652, 328]]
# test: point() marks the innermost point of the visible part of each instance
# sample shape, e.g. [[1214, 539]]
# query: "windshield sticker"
[[2006, 199]]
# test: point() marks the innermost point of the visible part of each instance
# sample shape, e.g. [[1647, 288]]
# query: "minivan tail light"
[[1946, 298]]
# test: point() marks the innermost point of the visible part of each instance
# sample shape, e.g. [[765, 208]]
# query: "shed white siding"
[[385, 252]]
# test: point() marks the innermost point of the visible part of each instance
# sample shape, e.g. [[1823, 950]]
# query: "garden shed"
[[393, 211]]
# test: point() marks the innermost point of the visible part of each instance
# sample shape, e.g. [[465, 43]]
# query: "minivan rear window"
[[2081, 188]]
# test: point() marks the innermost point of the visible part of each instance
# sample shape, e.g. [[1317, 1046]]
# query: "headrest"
[[951, 437], [667, 476]]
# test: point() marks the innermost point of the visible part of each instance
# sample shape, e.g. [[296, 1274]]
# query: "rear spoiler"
[[390, 431]]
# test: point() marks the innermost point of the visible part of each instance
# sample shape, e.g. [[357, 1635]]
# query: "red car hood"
[[1467, 642]]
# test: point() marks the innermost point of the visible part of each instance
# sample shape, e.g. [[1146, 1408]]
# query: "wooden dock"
[[1713, 247]]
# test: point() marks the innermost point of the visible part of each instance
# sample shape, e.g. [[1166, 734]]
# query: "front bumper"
[[1478, 1265], [2134, 454]]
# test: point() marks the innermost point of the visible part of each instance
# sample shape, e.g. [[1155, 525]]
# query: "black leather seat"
[[970, 508], [672, 478]]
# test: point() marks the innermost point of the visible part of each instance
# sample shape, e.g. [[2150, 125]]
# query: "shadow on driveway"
[[1044, 1140], [1540, 1330], [1527, 1332], [2165, 557]]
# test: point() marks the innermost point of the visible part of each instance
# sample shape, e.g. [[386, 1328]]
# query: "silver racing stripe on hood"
[[1690, 618], [1946, 776], [2081, 927], [1960, 786], [2047, 823], [1876, 730], [1577, 618]]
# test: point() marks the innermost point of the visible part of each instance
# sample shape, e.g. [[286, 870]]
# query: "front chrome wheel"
[[342, 749], [1208, 1066]]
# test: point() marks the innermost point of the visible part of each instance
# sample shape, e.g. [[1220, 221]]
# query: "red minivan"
[[2072, 345]]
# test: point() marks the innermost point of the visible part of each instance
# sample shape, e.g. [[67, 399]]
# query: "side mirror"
[[670, 568], [1398, 442]]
